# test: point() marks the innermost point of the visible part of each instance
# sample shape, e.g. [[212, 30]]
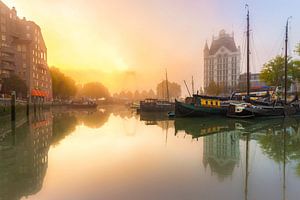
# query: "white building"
[[222, 62]]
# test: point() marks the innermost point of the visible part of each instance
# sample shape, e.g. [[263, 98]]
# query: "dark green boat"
[[200, 106]]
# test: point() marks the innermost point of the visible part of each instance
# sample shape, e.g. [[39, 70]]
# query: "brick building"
[[23, 52]]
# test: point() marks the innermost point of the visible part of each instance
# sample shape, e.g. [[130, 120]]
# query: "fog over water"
[[107, 39], [113, 153]]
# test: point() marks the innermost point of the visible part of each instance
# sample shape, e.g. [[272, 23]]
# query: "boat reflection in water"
[[243, 158]]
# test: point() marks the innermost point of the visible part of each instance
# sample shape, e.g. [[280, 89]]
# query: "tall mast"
[[248, 51], [286, 60], [167, 84], [193, 89]]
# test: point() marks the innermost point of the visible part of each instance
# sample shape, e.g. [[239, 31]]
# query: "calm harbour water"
[[114, 154]]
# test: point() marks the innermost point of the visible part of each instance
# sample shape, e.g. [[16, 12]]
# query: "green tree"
[[63, 86], [94, 90], [298, 49], [14, 83], [273, 71], [174, 90]]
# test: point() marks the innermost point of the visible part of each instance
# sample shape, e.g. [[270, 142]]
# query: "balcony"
[[15, 34], [7, 50], [6, 66], [10, 59]]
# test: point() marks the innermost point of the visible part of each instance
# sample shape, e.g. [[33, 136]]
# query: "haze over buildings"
[[24, 53], [111, 37], [222, 61]]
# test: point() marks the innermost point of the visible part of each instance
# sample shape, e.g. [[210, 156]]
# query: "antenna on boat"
[[187, 88], [248, 51], [167, 84], [286, 59]]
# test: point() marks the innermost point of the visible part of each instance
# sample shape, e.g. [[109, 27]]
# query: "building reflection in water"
[[221, 153], [24, 157]]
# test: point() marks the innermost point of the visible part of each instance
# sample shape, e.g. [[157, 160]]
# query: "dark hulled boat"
[[200, 106], [155, 105], [270, 108]]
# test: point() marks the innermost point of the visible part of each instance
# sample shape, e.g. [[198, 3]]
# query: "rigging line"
[[290, 41], [277, 47], [252, 55], [282, 45], [264, 49], [256, 58], [243, 48], [243, 57]]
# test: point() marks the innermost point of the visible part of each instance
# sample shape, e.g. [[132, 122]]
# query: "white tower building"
[[222, 62]]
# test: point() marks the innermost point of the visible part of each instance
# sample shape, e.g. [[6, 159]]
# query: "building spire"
[[206, 46]]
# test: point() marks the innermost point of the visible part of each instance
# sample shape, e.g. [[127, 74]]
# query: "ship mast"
[[193, 90], [286, 60], [248, 51], [167, 84]]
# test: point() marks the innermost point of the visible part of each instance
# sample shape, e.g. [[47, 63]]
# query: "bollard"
[[13, 106]]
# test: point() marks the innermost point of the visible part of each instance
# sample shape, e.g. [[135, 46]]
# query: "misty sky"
[[127, 44]]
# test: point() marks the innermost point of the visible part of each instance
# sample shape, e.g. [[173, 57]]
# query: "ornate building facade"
[[222, 62]]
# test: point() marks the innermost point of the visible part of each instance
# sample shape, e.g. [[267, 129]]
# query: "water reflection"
[[24, 157], [243, 158], [221, 153], [278, 139], [64, 123]]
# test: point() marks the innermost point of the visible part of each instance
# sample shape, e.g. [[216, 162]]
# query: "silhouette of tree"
[[14, 83], [63, 86], [174, 90], [94, 90]]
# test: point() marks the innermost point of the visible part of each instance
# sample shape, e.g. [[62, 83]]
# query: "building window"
[[3, 28]]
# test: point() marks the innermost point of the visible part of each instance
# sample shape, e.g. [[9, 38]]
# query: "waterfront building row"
[[23, 53]]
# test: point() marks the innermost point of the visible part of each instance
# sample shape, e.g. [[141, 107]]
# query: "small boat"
[[82, 105], [135, 105], [171, 114], [155, 105]]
